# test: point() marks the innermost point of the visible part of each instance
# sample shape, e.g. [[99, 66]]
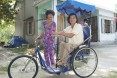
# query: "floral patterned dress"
[[48, 42]]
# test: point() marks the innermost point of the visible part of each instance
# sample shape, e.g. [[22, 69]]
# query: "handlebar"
[[38, 43]]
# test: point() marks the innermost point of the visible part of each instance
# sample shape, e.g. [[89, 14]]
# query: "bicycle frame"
[[43, 63], [54, 71]]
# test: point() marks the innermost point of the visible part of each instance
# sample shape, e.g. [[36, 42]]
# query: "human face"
[[72, 19], [50, 16]]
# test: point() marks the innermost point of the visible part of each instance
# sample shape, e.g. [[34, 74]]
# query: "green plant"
[[3, 69], [112, 74], [18, 50], [6, 33], [6, 10]]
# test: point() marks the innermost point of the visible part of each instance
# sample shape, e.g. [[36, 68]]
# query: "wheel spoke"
[[85, 62], [23, 67]]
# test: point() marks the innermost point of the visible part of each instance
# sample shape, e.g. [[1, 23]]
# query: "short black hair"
[[49, 12], [85, 20], [68, 18]]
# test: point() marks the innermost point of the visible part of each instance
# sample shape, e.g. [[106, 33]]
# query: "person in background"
[[48, 40], [85, 22]]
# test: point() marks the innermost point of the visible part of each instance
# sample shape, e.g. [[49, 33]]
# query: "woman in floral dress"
[[48, 39]]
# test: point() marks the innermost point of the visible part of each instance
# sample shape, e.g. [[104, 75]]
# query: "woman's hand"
[[55, 33], [37, 38]]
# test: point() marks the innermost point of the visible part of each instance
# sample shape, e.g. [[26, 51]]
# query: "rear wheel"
[[84, 62], [23, 66]]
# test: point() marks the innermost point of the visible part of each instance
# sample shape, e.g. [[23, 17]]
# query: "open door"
[[94, 29]]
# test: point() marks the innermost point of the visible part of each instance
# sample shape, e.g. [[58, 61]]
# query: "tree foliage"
[[6, 10], [6, 19]]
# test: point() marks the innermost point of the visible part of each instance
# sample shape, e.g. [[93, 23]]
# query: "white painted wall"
[[105, 14], [19, 23]]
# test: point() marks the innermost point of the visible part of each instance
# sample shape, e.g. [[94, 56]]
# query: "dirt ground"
[[107, 66]]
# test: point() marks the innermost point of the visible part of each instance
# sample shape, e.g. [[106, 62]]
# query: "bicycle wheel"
[[84, 62], [23, 66]]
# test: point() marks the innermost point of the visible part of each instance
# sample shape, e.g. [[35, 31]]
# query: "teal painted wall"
[[41, 8], [116, 7]]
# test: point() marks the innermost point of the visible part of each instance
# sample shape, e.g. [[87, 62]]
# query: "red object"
[[62, 14], [116, 20]]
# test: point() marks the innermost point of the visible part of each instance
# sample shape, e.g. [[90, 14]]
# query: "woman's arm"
[[39, 36]]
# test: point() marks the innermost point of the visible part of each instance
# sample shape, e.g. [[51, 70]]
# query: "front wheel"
[[23, 66], [84, 62]]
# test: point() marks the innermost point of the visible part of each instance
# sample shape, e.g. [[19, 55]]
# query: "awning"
[[72, 6]]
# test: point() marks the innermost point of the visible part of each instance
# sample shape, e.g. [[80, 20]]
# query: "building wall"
[[41, 11], [19, 24], [116, 8], [31, 11], [37, 13], [27, 10], [104, 14]]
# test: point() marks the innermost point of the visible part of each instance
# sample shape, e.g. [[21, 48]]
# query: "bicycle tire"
[[82, 58], [16, 62]]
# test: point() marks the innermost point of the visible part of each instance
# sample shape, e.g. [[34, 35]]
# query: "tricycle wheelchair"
[[83, 60]]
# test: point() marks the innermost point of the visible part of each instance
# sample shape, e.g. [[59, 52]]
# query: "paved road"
[[106, 55]]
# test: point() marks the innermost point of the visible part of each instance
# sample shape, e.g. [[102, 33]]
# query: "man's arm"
[[69, 35]]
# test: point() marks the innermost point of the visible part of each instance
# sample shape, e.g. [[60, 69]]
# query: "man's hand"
[[58, 33], [62, 33]]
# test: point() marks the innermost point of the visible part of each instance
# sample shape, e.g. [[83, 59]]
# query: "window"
[[115, 14], [30, 27], [116, 24], [107, 26]]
